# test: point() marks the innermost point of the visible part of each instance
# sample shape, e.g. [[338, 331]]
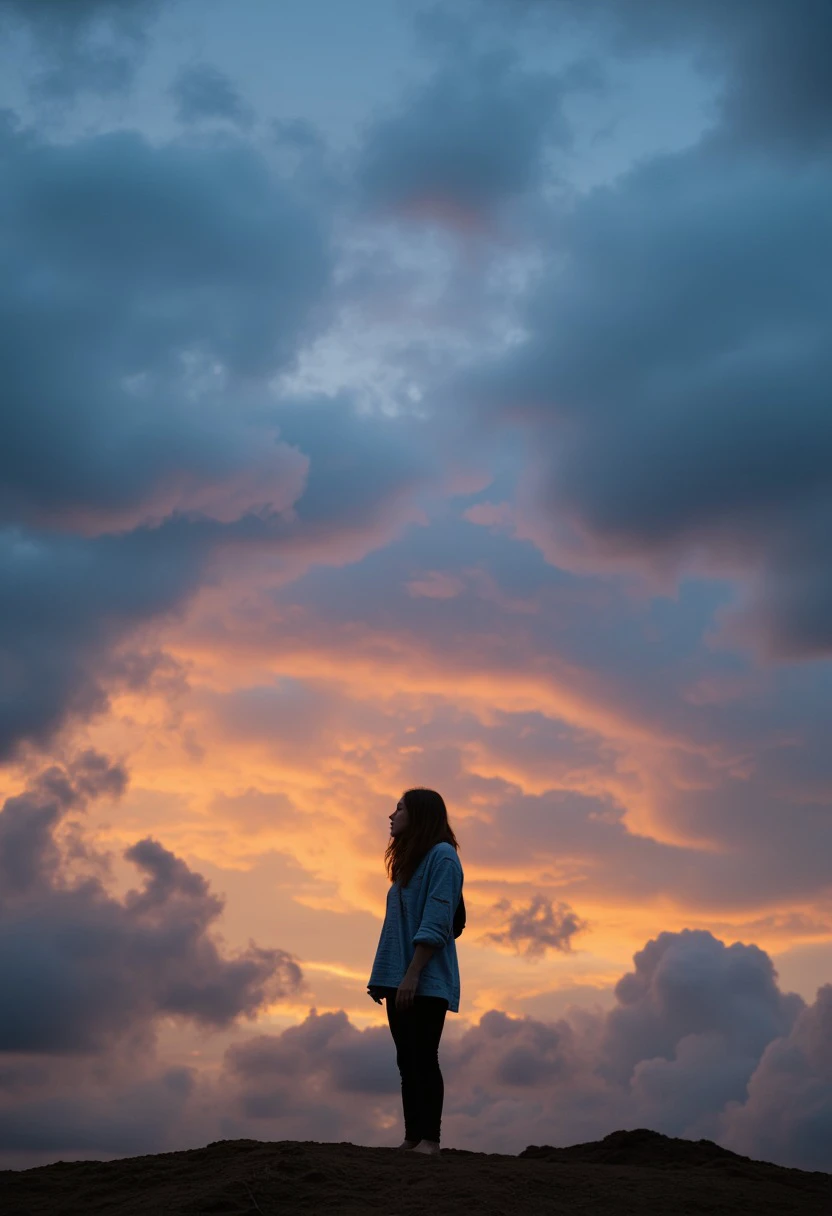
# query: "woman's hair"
[[427, 825]]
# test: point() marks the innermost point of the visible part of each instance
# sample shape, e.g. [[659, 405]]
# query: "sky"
[[408, 393]]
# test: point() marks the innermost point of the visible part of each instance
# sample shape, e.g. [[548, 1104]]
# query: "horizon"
[[415, 393]]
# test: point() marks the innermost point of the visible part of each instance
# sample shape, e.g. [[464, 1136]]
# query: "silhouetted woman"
[[416, 966]]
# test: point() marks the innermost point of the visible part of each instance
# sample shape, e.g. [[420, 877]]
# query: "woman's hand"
[[376, 998], [406, 992]]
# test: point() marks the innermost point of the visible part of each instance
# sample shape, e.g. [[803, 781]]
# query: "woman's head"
[[419, 821]]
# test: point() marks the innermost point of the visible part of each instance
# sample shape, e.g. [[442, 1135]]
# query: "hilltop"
[[627, 1172]]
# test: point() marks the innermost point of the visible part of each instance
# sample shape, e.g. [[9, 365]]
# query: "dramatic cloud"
[[687, 988], [769, 57], [467, 141], [202, 91], [84, 968], [674, 378], [705, 422], [158, 279], [572, 728], [324, 1052], [788, 1111], [304, 503], [64, 34], [170, 285], [539, 927], [66, 603], [692, 1047]]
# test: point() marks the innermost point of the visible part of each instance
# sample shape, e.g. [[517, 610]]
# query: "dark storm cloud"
[[770, 59], [142, 285], [688, 326], [469, 139], [123, 261], [73, 61], [202, 91], [675, 383], [150, 295], [83, 969], [541, 926]]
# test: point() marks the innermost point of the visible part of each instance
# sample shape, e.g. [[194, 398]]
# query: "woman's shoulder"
[[444, 850]]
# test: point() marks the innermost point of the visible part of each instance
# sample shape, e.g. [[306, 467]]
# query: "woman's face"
[[398, 820]]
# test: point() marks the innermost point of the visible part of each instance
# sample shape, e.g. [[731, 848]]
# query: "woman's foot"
[[408, 1144], [427, 1146]]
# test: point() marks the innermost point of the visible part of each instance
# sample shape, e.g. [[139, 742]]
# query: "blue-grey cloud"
[[148, 274], [356, 462], [168, 285], [675, 378], [201, 91], [767, 57], [144, 288], [72, 60], [471, 138]]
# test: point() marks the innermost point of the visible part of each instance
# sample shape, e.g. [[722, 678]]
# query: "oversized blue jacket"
[[425, 914]]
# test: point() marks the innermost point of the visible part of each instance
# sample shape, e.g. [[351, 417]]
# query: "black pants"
[[416, 1034]]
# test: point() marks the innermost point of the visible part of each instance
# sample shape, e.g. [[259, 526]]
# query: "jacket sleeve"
[[437, 924]]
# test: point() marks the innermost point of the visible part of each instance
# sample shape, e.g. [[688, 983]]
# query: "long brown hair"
[[428, 824]]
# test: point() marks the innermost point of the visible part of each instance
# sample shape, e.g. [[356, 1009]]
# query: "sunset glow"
[[451, 411]]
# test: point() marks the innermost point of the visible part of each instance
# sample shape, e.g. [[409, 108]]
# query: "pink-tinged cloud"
[[86, 969], [687, 1046]]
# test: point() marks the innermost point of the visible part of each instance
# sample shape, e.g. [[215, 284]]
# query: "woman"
[[416, 967]]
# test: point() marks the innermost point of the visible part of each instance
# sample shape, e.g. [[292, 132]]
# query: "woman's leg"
[[389, 995], [430, 1089], [399, 1030], [417, 1034]]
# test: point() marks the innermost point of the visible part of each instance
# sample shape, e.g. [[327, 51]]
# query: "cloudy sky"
[[405, 393]]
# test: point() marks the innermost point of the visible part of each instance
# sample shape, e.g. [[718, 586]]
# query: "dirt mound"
[[639, 1147], [627, 1172]]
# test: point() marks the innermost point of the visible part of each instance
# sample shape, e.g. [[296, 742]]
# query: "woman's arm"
[[406, 990], [422, 956], [436, 927], [443, 896]]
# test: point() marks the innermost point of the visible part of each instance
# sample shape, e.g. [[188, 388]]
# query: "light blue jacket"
[[425, 914]]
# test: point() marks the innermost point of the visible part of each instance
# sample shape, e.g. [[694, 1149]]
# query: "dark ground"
[[638, 1173]]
